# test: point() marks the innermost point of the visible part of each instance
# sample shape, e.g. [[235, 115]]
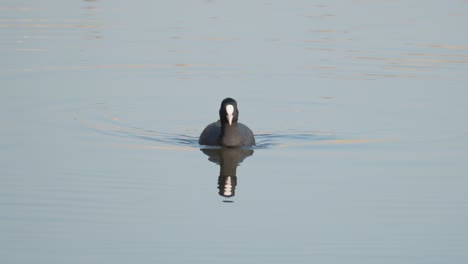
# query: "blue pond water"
[[358, 108]]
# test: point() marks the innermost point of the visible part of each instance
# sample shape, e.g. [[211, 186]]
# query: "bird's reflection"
[[228, 159]]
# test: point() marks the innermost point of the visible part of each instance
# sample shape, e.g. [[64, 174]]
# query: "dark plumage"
[[227, 131]]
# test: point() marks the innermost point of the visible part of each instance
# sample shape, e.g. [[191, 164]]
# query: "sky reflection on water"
[[358, 108]]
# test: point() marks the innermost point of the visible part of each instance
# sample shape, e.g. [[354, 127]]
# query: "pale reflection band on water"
[[337, 56]]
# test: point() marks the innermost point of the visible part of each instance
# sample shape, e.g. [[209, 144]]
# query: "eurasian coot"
[[227, 131]]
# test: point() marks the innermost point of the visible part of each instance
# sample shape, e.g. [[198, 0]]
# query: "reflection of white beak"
[[228, 187], [230, 111]]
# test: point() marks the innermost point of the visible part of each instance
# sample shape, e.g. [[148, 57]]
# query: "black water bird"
[[227, 132]]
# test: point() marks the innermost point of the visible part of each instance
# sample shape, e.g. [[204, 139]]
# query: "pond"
[[358, 108]]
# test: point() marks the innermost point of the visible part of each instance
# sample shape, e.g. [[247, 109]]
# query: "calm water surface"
[[359, 109]]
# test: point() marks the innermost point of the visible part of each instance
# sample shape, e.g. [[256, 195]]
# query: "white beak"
[[230, 112]]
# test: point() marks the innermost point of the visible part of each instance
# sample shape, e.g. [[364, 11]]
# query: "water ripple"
[[180, 141], [291, 138]]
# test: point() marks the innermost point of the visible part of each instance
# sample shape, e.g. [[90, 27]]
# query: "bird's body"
[[235, 135], [227, 131]]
